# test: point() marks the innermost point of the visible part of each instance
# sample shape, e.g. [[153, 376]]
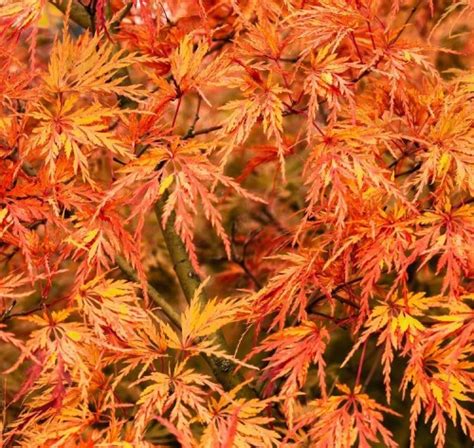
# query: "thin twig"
[[314, 300], [402, 29], [202, 131], [190, 131]]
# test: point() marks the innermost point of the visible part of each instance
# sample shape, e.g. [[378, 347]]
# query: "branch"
[[203, 131], [316, 299], [190, 282], [79, 13], [409, 17], [188, 278]]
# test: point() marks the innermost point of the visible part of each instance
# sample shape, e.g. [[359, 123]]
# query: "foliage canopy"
[[236, 223]]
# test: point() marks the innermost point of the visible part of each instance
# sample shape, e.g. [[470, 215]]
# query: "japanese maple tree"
[[237, 223]]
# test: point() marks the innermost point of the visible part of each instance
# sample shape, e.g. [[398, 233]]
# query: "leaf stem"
[[361, 363]]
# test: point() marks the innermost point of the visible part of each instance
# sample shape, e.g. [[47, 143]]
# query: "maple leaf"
[[182, 394], [12, 85], [396, 322], [89, 65], [22, 212], [439, 387], [271, 10], [295, 349], [200, 323], [239, 422], [64, 359], [10, 283], [325, 82], [98, 237], [189, 70], [327, 23], [264, 154], [111, 305], [66, 130], [262, 99], [454, 327], [383, 246], [447, 233], [19, 14], [346, 420], [60, 427], [262, 40], [127, 332], [287, 293], [343, 165], [447, 160]]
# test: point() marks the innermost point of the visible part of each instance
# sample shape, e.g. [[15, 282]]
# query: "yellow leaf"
[[322, 53], [60, 316], [343, 388], [123, 309], [165, 183], [444, 163], [404, 322], [90, 235], [3, 214], [359, 172], [455, 386], [74, 335], [114, 291], [44, 21], [437, 393], [393, 325], [5, 123], [327, 77]]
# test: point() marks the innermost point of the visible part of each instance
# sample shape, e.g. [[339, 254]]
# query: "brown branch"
[[316, 299], [190, 282], [202, 131], [409, 171], [126, 9], [79, 13], [402, 29], [190, 131], [241, 261]]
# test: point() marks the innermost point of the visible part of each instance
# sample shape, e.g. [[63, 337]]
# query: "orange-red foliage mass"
[[236, 223]]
